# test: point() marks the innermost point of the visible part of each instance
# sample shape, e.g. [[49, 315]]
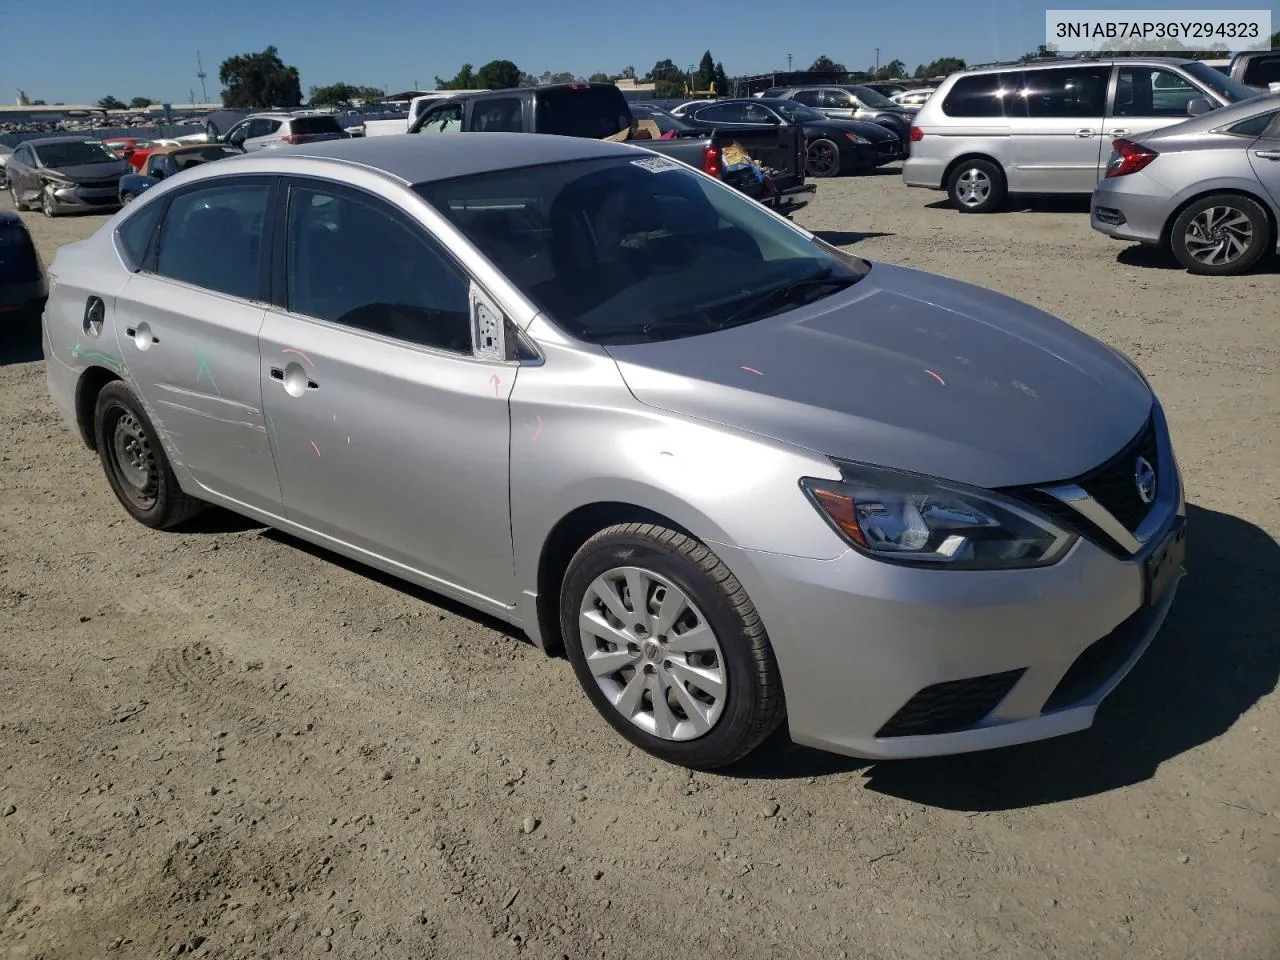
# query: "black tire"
[[17, 204], [153, 497], [126, 199], [1191, 222], [977, 186], [822, 159], [753, 704]]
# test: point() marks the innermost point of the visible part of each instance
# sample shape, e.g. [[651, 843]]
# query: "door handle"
[[1120, 132], [1267, 154], [1084, 132], [277, 373], [132, 334]]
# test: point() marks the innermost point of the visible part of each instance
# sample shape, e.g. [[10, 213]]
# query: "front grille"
[[100, 201], [98, 184], [951, 706], [1113, 485]]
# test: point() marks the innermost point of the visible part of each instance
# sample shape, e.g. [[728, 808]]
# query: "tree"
[[38, 103], [259, 80], [825, 64], [111, 103], [140, 103], [342, 95], [600, 78], [629, 73], [722, 80], [668, 79], [464, 79], [706, 74], [1275, 40], [939, 68], [498, 75], [1041, 52]]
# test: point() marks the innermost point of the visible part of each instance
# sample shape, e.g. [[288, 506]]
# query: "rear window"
[[1260, 71], [312, 125], [980, 95], [592, 112]]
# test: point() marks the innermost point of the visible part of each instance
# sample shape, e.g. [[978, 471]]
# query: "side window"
[[500, 115], [1254, 126], [138, 230], [444, 120], [353, 262], [840, 99], [1261, 71], [722, 113], [239, 133], [810, 98], [979, 95], [212, 238], [1153, 92], [1076, 92], [155, 166]]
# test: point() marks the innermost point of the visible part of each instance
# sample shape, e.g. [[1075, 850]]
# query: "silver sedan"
[[1207, 189], [738, 474]]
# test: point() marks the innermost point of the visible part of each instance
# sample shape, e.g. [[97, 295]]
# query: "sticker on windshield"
[[656, 164]]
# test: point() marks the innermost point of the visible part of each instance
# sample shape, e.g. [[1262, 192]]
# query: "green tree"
[[111, 103], [722, 80], [38, 103], [600, 78], [1041, 52], [342, 95], [256, 81], [141, 103], [1275, 40], [629, 73], [939, 68], [498, 75], [464, 79], [667, 78], [706, 73], [825, 64]]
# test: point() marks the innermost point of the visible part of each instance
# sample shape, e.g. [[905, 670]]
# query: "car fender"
[[1249, 186]]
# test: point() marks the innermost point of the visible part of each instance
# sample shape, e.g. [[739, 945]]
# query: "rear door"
[[1055, 120], [263, 132], [1264, 157]]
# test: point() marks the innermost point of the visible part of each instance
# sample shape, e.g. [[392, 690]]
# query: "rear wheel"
[[823, 159], [669, 647], [135, 463], [976, 186], [1220, 235]]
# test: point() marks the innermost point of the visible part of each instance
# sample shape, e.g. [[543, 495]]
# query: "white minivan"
[[1046, 126]]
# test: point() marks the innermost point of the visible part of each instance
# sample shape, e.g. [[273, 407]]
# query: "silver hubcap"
[[973, 187], [653, 654], [1219, 235]]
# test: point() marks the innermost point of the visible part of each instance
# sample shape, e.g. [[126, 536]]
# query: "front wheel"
[[976, 186], [668, 646], [1220, 235], [135, 463], [823, 159], [47, 204], [17, 204], [126, 199]]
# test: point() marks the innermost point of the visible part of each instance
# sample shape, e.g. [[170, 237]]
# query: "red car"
[[133, 149]]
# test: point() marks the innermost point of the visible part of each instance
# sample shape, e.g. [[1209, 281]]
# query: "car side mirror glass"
[[1198, 106]]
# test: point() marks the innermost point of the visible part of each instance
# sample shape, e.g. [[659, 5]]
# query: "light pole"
[[877, 63], [788, 63]]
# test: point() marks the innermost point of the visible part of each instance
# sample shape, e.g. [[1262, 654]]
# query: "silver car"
[[1046, 126], [738, 474], [262, 131], [1207, 189]]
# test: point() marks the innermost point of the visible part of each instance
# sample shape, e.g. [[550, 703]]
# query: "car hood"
[[90, 171], [909, 370]]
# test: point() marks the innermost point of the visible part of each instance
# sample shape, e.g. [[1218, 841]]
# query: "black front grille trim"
[[951, 706]]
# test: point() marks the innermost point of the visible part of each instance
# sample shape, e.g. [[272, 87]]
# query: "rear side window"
[[1254, 126], [313, 125], [212, 237], [500, 115], [810, 98], [591, 112], [137, 232], [1261, 71], [1078, 92], [980, 95]]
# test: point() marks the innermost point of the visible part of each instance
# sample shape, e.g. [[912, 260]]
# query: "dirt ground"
[[224, 743]]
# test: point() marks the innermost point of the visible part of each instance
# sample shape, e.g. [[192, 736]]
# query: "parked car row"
[[1174, 152], [962, 520]]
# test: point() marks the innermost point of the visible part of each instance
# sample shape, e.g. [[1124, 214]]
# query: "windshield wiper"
[[786, 294], [656, 329]]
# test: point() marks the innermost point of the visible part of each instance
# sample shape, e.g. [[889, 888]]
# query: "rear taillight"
[[1128, 157], [290, 138], [711, 161], [916, 134]]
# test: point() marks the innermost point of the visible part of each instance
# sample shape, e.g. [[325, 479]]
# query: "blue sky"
[[132, 49]]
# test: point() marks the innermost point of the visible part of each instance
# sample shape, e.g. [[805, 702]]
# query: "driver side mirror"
[[1198, 106]]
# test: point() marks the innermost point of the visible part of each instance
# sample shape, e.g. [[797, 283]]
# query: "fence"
[[159, 132]]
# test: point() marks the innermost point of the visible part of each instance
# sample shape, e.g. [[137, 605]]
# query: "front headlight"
[[854, 138], [915, 520]]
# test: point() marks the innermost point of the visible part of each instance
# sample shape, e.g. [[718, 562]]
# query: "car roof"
[[1051, 62], [417, 158], [49, 141]]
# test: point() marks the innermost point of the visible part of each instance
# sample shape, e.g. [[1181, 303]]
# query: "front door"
[[390, 434], [1264, 157], [1145, 100], [1056, 129], [187, 328]]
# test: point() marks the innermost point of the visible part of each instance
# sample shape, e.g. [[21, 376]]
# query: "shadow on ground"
[[1158, 258], [1217, 655], [20, 339], [1026, 204]]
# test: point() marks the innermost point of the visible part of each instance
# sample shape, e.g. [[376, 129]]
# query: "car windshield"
[[626, 249], [1233, 91], [871, 98], [666, 122], [794, 112], [75, 153]]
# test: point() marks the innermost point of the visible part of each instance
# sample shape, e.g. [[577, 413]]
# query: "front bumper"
[[882, 661], [1133, 208], [77, 198]]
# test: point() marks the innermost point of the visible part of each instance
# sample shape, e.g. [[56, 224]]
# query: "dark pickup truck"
[[599, 111]]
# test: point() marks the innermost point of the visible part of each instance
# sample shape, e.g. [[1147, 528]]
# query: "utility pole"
[[204, 93], [788, 63], [877, 62]]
